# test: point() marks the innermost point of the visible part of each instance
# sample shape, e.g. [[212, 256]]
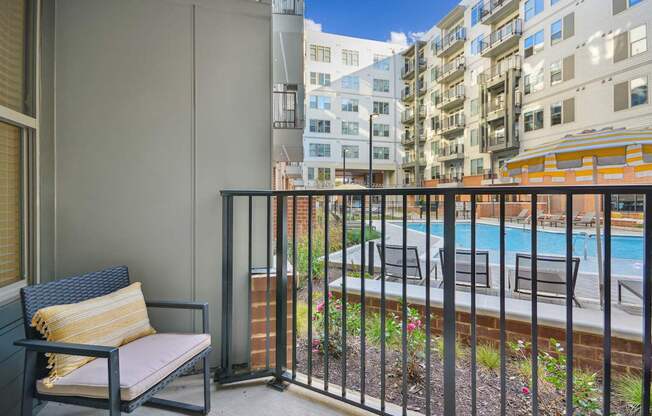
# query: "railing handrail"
[[291, 7], [513, 62]]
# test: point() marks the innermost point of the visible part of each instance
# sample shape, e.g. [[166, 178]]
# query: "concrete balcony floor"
[[248, 398]]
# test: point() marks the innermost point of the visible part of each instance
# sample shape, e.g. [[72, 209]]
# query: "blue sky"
[[376, 19]]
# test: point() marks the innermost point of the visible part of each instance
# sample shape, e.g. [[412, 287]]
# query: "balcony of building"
[[452, 98], [502, 40], [495, 108], [451, 70], [450, 152], [407, 93], [496, 75], [492, 11], [407, 116], [407, 70], [452, 124], [451, 42], [451, 180], [422, 87], [499, 138], [407, 138], [290, 7]]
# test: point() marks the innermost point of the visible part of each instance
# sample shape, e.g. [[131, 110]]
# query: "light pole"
[[344, 150], [371, 173]]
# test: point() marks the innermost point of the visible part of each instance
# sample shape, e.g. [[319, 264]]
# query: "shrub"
[[488, 356], [392, 330], [416, 343], [334, 346], [629, 389]]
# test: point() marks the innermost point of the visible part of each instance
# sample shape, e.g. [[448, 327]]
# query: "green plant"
[[439, 346], [629, 389], [302, 318], [416, 343], [488, 356], [353, 323], [392, 330], [353, 236]]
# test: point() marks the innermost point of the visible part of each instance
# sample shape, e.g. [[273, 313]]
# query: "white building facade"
[[348, 80]]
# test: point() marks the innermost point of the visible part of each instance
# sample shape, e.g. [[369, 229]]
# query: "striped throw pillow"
[[111, 320]]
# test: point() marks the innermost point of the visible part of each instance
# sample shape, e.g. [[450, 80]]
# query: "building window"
[[555, 32], [553, 2], [434, 148], [533, 82], [633, 3], [320, 53], [638, 91], [381, 153], [351, 152], [320, 150], [320, 102], [628, 203], [320, 78], [381, 62], [555, 73], [350, 128], [381, 107], [350, 105], [475, 107], [533, 44], [555, 114], [320, 126], [381, 85], [475, 133], [476, 45], [324, 174], [638, 40], [435, 172], [311, 174], [533, 120], [351, 58], [381, 130], [350, 82], [532, 8], [476, 166], [476, 13]]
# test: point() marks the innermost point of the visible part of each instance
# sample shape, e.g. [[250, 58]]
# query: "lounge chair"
[[554, 220], [551, 276], [463, 267], [586, 220], [522, 216], [394, 263], [633, 286]]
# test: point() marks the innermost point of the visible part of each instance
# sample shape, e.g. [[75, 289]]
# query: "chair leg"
[[207, 386], [29, 381], [620, 293]]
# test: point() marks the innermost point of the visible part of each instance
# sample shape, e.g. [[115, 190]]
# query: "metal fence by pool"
[[281, 238]]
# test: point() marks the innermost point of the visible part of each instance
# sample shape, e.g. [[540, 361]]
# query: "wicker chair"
[[84, 287]]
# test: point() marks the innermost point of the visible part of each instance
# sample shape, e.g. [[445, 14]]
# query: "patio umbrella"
[[588, 154]]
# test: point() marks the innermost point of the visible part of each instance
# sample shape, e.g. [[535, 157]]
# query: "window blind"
[[12, 54], [10, 204]]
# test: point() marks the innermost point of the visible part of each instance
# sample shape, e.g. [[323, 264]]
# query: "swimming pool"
[[518, 240]]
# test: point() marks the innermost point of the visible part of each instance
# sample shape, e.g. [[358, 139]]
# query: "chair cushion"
[[111, 320], [143, 364]]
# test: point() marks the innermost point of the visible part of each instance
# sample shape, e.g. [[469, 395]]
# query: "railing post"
[[227, 288], [281, 291], [449, 304]]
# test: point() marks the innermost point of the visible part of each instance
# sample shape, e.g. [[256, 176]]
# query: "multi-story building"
[[352, 86], [504, 76]]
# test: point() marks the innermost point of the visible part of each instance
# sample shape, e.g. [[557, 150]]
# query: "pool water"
[[518, 240]]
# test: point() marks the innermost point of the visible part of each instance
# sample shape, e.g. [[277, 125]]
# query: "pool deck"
[[587, 287]]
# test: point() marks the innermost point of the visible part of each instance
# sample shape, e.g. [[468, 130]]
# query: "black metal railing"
[[374, 202], [285, 114]]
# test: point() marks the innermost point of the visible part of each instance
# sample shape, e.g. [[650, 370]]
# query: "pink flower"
[[419, 323], [320, 306], [315, 342], [315, 350], [525, 390], [330, 295], [411, 327]]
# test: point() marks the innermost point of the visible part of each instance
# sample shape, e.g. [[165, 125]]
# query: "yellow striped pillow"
[[111, 320]]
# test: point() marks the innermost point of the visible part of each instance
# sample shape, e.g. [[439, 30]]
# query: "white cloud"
[[398, 38], [311, 25], [414, 36]]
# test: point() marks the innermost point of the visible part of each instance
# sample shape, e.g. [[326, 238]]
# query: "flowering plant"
[[334, 314]]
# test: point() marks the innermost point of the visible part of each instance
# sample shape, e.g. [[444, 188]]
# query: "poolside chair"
[[554, 220], [551, 276], [633, 286], [463, 267], [586, 220], [522, 216], [394, 263]]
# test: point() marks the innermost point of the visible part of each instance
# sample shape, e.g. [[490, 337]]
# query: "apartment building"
[[503, 76], [352, 86]]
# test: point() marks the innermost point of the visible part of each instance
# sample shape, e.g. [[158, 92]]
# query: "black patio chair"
[[551, 276], [463, 267], [81, 288], [394, 263]]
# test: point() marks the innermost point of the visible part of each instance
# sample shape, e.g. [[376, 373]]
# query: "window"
[[533, 8], [381, 153], [555, 114], [350, 105], [381, 85], [16, 139], [434, 123], [351, 82], [324, 174], [533, 120], [320, 126], [320, 53], [320, 102], [638, 91], [381, 62], [476, 13], [555, 32], [381, 130], [533, 82], [434, 148], [349, 57], [476, 166], [628, 203], [435, 172], [475, 133], [637, 40], [475, 107], [320, 150], [553, 2], [350, 128], [476, 45], [311, 174], [320, 78], [534, 44], [351, 152], [555, 73], [381, 107]]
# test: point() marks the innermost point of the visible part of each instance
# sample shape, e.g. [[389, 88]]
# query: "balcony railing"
[[309, 357], [453, 122], [451, 96], [450, 68], [452, 150], [407, 94], [493, 10], [500, 69], [507, 35], [294, 7], [285, 114], [454, 38]]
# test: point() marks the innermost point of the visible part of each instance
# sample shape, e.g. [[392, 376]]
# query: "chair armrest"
[[85, 350], [174, 304]]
